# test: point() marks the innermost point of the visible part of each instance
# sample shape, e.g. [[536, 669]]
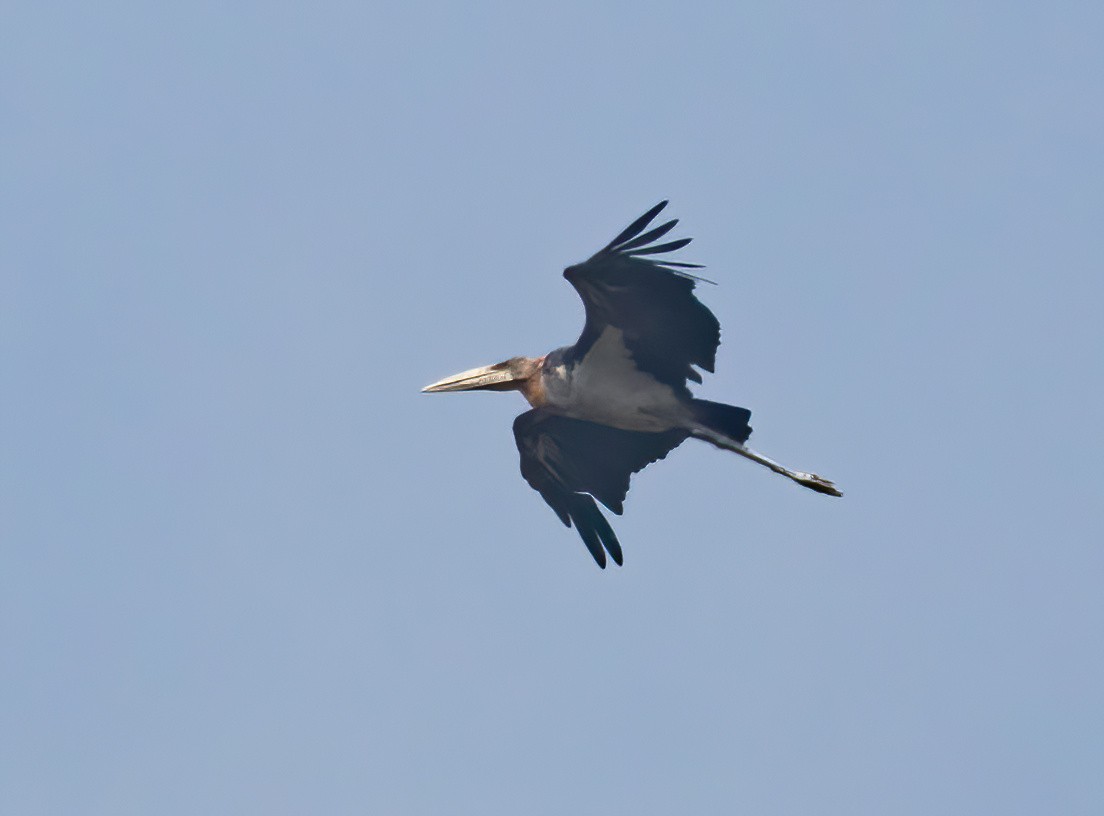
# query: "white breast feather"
[[607, 387]]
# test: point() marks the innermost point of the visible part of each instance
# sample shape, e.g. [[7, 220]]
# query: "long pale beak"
[[476, 378]]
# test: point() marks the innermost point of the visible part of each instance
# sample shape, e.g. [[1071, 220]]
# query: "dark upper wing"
[[571, 462], [666, 329]]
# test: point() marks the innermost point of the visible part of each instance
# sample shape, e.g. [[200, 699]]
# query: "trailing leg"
[[726, 426]]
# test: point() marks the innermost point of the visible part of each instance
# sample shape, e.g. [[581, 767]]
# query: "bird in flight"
[[616, 401]]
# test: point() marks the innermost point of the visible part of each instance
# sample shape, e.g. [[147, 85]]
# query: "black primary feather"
[[649, 236], [656, 250], [636, 226]]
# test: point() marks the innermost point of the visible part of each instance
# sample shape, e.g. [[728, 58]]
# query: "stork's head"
[[516, 374]]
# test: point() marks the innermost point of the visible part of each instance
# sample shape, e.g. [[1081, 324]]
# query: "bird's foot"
[[817, 483]]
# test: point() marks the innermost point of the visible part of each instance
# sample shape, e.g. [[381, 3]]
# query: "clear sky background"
[[246, 567]]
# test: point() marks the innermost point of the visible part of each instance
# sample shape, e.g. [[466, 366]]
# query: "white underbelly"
[[606, 387]]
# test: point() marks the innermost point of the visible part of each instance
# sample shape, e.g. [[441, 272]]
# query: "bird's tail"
[[727, 420], [726, 426]]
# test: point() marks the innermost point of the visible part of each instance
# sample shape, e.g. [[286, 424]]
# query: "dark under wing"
[[571, 463], [666, 329]]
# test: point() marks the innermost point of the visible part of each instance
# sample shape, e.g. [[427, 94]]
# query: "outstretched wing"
[[666, 329], [571, 463]]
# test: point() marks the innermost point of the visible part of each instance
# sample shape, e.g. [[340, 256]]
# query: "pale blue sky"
[[246, 567]]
